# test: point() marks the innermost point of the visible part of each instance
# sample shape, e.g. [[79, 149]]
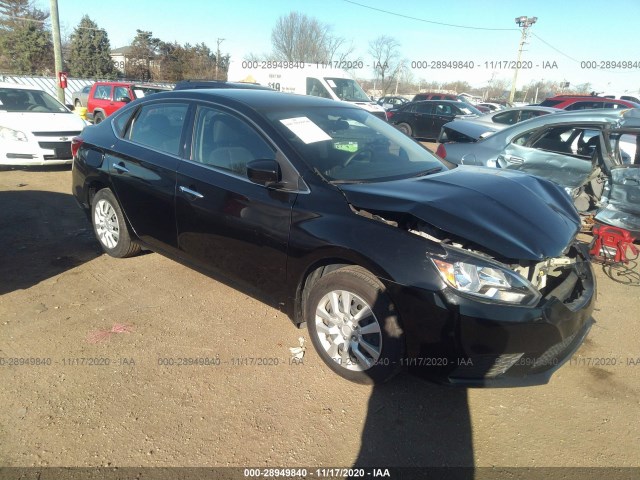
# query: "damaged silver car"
[[594, 155]]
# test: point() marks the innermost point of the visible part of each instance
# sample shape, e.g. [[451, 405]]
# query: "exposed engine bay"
[[546, 276]]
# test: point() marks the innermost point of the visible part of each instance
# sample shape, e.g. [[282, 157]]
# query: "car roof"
[[445, 100], [607, 115], [191, 84], [254, 98]]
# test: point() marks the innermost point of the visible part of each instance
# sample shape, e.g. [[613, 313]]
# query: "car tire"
[[110, 227], [98, 118], [78, 103], [405, 128], [363, 348]]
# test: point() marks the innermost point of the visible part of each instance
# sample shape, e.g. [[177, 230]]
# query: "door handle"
[[121, 168], [188, 191]]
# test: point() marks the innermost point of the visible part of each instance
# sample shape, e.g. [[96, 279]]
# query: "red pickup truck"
[[107, 97]]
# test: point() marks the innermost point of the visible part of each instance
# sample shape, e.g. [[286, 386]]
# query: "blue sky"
[[567, 32]]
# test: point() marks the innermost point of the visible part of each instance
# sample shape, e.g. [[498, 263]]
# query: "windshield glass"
[[468, 109], [32, 101], [349, 145], [140, 91], [347, 89]]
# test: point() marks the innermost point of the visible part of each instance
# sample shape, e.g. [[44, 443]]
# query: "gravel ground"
[[62, 299]]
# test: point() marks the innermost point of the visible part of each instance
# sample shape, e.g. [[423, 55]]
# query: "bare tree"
[[297, 37], [386, 61]]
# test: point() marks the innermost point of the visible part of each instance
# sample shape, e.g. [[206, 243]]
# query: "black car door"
[[443, 112], [422, 119], [143, 172], [226, 222]]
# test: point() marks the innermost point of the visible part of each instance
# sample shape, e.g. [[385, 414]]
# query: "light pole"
[[523, 22], [57, 46]]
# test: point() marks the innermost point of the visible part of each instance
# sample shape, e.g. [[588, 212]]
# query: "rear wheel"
[[353, 326], [78, 103], [110, 227], [405, 128], [98, 118]]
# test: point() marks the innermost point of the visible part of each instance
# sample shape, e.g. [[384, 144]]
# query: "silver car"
[[511, 116], [593, 154]]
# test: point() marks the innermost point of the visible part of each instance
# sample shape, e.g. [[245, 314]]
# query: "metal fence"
[[49, 84]]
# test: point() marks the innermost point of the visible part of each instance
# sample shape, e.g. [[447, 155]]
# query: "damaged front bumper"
[[459, 340]]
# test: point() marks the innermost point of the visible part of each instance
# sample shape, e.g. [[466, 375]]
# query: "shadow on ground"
[[42, 234]]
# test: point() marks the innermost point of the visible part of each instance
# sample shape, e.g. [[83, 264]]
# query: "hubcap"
[[107, 226], [348, 330]]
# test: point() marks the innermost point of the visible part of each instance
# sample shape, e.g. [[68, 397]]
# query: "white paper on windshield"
[[331, 83], [305, 129], [139, 93]]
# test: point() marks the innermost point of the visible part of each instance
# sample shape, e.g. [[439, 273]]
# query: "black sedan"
[[424, 119], [390, 259]]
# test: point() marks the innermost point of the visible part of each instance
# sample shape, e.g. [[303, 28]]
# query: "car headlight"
[[485, 280], [14, 135]]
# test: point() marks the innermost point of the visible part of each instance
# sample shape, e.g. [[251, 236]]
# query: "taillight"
[[441, 151], [389, 115], [75, 145]]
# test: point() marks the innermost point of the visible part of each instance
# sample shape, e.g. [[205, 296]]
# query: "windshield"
[[468, 109], [349, 145], [347, 89], [32, 101], [140, 91]]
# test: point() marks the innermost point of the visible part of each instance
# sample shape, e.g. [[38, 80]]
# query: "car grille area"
[[62, 150]]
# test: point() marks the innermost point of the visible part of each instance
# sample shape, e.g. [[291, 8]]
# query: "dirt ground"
[[101, 329]]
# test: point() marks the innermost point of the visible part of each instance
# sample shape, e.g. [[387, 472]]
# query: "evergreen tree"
[[144, 50], [90, 51], [25, 42]]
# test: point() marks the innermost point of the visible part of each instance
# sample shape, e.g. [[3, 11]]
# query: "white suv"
[[35, 129]]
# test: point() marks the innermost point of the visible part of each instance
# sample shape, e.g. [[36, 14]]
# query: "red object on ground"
[[610, 244]]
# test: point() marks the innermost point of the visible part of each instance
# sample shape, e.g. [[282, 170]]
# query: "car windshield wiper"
[[428, 172]]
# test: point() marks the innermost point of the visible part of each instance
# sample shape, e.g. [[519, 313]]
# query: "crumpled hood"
[[515, 215], [41, 122]]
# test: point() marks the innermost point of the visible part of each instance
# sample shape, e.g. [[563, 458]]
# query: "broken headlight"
[[486, 280]]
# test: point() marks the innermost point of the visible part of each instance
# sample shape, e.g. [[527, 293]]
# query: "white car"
[[35, 128]]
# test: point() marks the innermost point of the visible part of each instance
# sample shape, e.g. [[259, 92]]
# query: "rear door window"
[[423, 108], [159, 126]]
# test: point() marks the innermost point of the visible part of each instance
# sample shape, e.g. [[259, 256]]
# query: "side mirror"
[[124, 99], [264, 172]]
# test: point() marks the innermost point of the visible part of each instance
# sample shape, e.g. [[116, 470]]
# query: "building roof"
[[122, 50]]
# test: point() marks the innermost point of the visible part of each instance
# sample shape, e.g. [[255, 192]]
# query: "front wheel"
[[98, 118], [353, 326], [110, 227]]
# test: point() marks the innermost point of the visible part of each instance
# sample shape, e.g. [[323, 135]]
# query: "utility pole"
[[218, 41], [524, 23], [57, 45]]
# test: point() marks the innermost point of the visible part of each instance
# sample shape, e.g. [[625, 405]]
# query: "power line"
[[429, 21], [554, 48], [26, 19]]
